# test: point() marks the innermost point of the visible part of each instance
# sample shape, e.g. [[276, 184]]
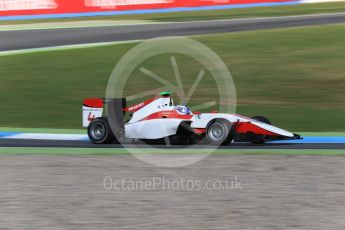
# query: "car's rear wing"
[[113, 108]]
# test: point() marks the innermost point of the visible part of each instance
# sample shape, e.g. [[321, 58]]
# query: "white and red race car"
[[158, 118]]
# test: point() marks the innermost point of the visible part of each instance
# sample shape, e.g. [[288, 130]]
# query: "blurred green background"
[[294, 76]]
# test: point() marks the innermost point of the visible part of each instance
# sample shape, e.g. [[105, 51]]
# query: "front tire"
[[99, 131], [219, 132]]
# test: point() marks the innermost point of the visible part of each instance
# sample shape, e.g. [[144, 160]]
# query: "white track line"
[[65, 47], [48, 136], [75, 24]]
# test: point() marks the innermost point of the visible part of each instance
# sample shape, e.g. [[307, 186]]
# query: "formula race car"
[[158, 119]]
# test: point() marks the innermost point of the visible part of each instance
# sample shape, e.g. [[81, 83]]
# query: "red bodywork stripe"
[[136, 107], [93, 102], [168, 114], [199, 131], [243, 128], [247, 127]]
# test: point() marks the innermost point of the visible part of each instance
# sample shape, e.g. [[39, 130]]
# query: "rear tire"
[[99, 131], [219, 132]]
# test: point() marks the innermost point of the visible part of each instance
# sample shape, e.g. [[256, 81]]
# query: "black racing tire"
[[262, 119], [219, 132], [99, 131], [260, 140]]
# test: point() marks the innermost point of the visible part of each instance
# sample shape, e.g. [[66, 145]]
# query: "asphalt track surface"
[[274, 192], [25, 39], [86, 144]]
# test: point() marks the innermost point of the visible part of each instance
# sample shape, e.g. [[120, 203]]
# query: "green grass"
[[293, 76], [331, 7], [107, 151]]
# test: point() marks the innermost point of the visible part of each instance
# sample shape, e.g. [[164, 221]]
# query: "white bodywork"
[[152, 129], [160, 128], [140, 128], [201, 121], [155, 128], [160, 104], [90, 113]]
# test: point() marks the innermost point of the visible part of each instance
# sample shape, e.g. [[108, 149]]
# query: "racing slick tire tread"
[[107, 137], [228, 135]]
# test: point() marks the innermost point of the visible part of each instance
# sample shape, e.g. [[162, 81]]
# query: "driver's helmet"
[[183, 109]]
